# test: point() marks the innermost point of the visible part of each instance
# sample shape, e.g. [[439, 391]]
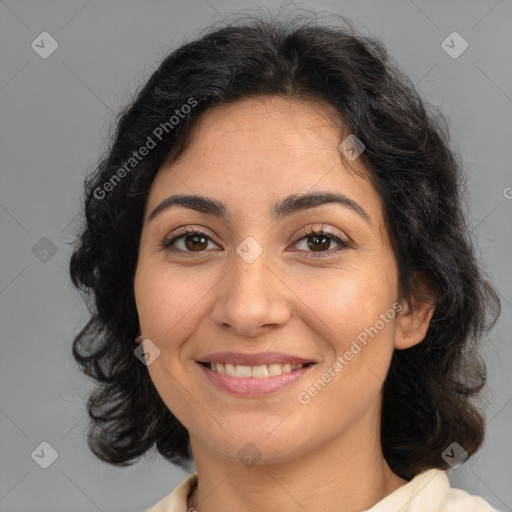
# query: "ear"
[[414, 318]]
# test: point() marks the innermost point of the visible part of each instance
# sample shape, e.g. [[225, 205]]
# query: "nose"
[[251, 298]]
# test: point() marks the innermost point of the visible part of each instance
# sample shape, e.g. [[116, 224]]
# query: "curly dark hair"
[[431, 392]]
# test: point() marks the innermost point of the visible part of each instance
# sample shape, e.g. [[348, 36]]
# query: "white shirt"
[[429, 491]]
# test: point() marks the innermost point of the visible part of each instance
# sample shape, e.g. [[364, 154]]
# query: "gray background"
[[54, 119]]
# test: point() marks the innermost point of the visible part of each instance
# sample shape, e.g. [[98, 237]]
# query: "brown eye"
[[195, 242], [187, 241], [319, 243]]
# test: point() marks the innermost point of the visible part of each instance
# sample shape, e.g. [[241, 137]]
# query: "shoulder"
[[176, 501], [428, 491]]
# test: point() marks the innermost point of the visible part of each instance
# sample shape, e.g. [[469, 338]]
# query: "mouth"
[[253, 381], [261, 371]]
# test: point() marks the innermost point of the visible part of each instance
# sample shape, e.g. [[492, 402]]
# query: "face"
[[255, 279]]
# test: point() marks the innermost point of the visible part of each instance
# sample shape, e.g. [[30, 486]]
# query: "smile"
[[261, 371], [253, 381]]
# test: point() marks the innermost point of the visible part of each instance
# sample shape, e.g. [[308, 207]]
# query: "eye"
[[187, 240], [319, 241]]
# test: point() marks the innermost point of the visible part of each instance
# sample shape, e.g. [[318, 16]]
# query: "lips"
[[251, 375], [251, 386]]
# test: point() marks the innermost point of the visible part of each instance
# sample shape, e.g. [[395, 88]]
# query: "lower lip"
[[252, 386]]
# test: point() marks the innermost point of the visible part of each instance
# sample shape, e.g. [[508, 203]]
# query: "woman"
[[278, 227]]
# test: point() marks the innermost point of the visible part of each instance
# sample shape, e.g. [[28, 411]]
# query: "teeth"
[[242, 371], [274, 369], [260, 371]]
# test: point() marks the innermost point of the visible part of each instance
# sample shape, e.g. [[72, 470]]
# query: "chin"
[[260, 448]]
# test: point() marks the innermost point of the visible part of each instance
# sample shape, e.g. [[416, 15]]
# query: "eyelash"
[[167, 244]]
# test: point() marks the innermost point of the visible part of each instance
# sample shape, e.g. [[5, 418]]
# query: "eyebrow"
[[284, 208]]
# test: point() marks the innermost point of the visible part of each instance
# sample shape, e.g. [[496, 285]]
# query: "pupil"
[[324, 244], [198, 242]]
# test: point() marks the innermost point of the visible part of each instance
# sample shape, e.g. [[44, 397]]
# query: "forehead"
[[251, 153], [289, 128]]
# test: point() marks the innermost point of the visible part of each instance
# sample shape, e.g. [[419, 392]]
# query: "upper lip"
[[261, 358]]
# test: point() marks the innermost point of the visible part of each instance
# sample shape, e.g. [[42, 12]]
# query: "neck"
[[349, 470]]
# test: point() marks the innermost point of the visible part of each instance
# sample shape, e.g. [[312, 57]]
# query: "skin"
[[249, 155]]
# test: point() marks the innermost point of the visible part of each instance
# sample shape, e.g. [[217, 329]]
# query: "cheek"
[[349, 301], [165, 303], [166, 299], [356, 306]]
